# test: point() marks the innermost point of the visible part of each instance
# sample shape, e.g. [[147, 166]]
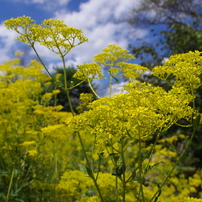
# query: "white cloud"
[[7, 42], [100, 22], [45, 4], [116, 89], [50, 2]]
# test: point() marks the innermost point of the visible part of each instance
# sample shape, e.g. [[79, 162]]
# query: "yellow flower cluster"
[[185, 68], [41, 146], [115, 58], [190, 199], [89, 71], [52, 33], [79, 186], [139, 113]]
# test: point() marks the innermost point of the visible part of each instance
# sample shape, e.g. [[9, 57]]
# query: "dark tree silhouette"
[[74, 93]]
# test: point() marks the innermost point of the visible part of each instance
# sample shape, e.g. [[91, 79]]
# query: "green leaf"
[[150, 167], [130, 135], [113, 154], [86, 170], [120, 169], [117, 81], [90, 173], [133, 175], [83, 169], [159, 189], [116, 156]]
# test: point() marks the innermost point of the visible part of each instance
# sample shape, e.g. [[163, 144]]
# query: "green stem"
[[98, 170], [93, 89], [9, 188], [93, 146], [124, 176], [117, 191], [76, 84], [151, 152], [182, 154], [169, 174], [66, 88], [88, 164], [110, 86], [115, 165], [192, 92], [42, 62], [141, 193]]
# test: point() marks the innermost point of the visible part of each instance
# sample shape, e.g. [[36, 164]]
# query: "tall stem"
[[88, 164], [182, 154], [151, 151], [66, 88], [9, 188], [80, 139], [141, 193], [93, 89], [124, 176], [110, 86], [169, 174], [42, 62]]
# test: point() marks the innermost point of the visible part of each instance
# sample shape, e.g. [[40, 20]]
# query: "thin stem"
[[93, 89], [42, 62], [141, 193], [110, 86], [117, 192], [9, 188], [192, 92], [181, 155], [115, 164], [88, 164], [98, 170], [93, 146], [124, 176], [66, 88], [76, 84], [151, 152]]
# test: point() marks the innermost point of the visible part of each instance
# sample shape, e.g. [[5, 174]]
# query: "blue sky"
[[99, 19]]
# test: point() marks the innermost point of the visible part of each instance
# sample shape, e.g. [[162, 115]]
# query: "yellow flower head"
[[89, 71], [52, 33], [28, 143], [32, 152], [113, 54], [185, 68], [114, 57], [19, 53]]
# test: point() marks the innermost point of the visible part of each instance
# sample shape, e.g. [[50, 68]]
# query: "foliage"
[[103, 153], [175, 27]]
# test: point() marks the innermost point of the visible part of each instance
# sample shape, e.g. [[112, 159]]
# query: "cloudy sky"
[[99, 19]]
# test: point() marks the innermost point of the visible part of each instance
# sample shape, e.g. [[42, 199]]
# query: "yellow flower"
[[114, 57], [112, 54], [28, 143], [190, 199], [186, 69], [32, 152], [46, 97], [19, 53], [52, 33], [89, 70]]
